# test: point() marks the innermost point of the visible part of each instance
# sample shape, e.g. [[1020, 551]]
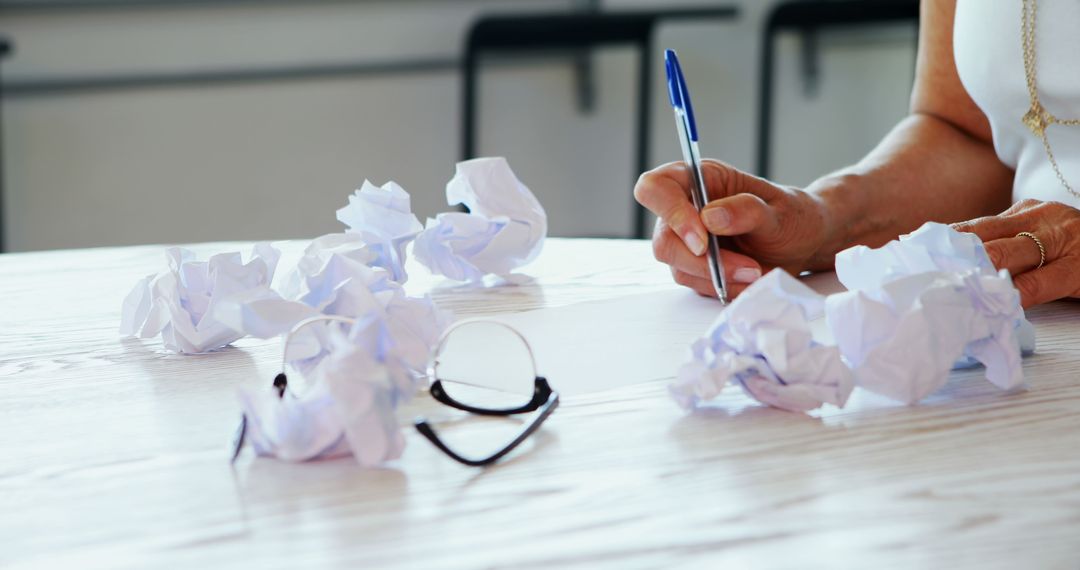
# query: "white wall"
[[274, 160]]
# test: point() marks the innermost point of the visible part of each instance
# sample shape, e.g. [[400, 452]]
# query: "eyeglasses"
[[474, 352], [487, 353]]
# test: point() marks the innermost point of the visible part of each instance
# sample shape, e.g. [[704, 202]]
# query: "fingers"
[[993, 227], [703, 286], [700, 285], [1056, 226], [1007, 224], [738, 214], [1048, 283], [669, 249], [664, 191], [1017, 254]]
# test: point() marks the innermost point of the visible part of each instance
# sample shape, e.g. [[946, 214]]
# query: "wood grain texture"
[[114, 455]]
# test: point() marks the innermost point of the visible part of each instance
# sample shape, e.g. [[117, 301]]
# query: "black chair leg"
[[765, 91], [3, 226], [644, 128], [4, 49], [468, 106]]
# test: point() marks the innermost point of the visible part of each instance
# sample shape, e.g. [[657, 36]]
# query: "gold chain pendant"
[[1036, 119]]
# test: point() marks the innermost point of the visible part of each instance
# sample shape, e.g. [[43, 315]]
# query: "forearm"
[[925, 170]]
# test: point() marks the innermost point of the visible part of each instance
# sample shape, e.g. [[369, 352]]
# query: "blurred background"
[[172, 121]]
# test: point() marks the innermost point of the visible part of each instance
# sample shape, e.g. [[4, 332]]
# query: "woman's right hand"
[[770, 225]]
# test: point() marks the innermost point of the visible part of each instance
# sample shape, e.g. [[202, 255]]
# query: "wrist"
[[837, 200]]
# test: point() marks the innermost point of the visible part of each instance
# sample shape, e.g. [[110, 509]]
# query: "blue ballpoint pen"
[[688, 140]]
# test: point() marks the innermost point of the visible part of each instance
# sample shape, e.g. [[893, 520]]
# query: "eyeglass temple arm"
[[429, 432]]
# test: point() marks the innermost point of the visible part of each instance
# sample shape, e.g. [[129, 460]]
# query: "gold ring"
[[1042, 250]]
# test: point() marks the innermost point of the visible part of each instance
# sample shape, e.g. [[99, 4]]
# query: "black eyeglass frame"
[[543, 399]]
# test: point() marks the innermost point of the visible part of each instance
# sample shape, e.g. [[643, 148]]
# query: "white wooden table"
[[114, 456]]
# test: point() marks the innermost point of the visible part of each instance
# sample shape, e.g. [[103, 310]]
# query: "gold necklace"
[[1038, 118]]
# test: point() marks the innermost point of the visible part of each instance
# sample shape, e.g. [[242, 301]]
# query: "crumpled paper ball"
[[504, 229], [346, 406], [763, 343], [180, 303], [331, 281], [316, 255], [932, 247], [922, 305], [903, 339], [382, 218]]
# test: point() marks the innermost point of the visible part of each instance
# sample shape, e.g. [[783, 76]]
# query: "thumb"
[[723, 180], [740, 201], [739, 214]]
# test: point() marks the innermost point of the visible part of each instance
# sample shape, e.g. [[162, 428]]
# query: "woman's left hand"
[[1056, 225]]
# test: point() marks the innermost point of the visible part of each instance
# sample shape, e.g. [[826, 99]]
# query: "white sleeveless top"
[[989, 56]]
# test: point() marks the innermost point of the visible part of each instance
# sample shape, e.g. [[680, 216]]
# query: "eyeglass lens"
[[487, 368]]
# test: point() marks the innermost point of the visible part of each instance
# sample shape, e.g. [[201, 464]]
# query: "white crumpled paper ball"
[[181, 302], [330, 280], [504, 229], [382, 218], [763, 343], [922, 305], [347, 404], [903, 339]]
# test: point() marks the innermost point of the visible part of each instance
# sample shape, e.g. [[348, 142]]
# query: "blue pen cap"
[[678, 92], [672, 79]]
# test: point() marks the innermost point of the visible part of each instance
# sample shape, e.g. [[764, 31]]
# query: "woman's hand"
[[1058, 228], [771, 226]]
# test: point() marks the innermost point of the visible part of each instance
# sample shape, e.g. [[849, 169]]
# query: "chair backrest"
[[810, 15], [5, 49], [520, 33], [553, 31]]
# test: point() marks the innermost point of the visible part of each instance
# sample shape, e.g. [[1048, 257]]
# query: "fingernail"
[[695, 243], [746, 275], [717, 218]]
